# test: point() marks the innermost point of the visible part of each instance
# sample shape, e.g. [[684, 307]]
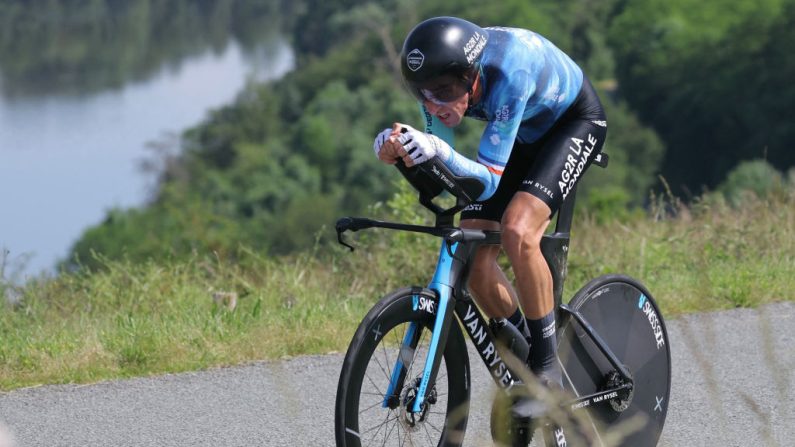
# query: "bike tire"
[[366, 371], [624, 314]]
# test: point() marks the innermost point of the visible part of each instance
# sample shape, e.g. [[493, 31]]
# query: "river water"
[[65, 159]]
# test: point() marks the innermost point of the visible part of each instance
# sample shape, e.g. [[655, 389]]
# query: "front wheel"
[[624, 314], [397, 331]]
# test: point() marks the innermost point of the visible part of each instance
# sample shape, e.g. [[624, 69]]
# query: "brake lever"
[[342, 226], [342, 241]]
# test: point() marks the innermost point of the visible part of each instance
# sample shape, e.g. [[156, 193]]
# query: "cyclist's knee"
[[523, 223], [517, 237]]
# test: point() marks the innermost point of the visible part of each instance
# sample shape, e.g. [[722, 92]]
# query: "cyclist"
[[545, 125]]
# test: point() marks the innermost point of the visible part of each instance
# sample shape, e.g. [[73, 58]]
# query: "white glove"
[[380, 139], [422, 146]]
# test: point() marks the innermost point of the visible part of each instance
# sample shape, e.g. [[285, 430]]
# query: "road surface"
[[733, 385]]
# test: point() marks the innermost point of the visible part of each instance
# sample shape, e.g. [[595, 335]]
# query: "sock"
[[517, 319], [543, 349]]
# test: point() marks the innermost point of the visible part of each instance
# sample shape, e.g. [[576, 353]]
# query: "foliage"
[[713, 78], [275, 167], [270, 170], [752, 180], [705, 256], [245, 206], [635, 153]]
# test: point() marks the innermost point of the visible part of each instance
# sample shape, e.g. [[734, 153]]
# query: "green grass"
[[132, 320], [135, 320], [709, 256]]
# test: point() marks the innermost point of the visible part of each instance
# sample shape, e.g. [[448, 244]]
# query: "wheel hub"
[[624, 399], [408, 419]]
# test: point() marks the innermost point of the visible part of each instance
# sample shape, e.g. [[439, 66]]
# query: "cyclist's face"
[[449, 113], [446, 98]]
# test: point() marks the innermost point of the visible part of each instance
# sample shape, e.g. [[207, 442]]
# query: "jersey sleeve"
[[508, 101], [459, 164]]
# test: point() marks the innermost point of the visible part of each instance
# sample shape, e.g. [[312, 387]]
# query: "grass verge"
[[140, 319]]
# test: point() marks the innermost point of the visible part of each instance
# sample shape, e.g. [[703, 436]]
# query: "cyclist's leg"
[[524, 223], [487, 282], [564, 154]]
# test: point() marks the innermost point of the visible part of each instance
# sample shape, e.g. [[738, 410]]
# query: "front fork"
[[441, 284]]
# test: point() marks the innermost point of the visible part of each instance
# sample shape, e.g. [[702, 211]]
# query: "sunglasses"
[[442, 93]]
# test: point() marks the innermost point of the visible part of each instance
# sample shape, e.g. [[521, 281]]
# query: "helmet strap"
[[474, 85]]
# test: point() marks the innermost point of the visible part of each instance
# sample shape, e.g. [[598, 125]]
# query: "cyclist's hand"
[[386, 146], [380, 139], [419, 146]]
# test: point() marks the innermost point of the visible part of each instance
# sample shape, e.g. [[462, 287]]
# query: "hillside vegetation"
[[691, 88]]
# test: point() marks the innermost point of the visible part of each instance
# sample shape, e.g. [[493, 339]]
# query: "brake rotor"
[[624, 398]]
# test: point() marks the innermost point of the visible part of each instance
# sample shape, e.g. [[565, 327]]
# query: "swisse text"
[[487, 350], [654, 321]]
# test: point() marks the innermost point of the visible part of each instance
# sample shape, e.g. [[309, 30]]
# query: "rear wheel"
[[624, 314], [365, 415]]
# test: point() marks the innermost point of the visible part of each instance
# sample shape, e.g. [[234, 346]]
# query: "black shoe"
[[527, 405], [529, 409]]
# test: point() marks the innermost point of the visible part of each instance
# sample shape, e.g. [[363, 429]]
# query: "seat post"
[[566, 213], [555, 247]]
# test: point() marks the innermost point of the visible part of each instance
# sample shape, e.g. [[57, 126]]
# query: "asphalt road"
[[733, 385]]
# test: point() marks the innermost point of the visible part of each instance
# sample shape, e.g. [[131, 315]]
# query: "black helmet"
[[441, 57]]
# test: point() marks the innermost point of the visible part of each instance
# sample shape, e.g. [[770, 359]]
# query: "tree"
[[713, 79]]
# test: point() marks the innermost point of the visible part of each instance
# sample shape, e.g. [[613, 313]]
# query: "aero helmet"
[[441, 58]]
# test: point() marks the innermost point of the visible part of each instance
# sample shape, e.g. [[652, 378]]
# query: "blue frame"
[[442, 285], [399, 364]]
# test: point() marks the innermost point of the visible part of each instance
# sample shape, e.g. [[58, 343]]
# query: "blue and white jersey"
[[527, 83]]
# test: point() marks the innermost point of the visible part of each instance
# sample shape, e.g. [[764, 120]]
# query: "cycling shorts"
[[550, 167]]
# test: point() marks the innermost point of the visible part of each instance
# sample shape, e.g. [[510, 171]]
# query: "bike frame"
[[449, 281]]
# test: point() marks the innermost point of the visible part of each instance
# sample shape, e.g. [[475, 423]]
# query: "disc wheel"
[[625, 316]]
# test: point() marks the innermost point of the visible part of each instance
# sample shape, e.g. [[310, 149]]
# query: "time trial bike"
[[405, 379]]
